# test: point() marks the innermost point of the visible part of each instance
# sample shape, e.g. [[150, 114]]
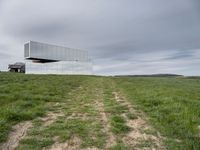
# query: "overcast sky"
[[122, 36]]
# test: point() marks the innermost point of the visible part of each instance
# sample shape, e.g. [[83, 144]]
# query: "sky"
[[122, 36]]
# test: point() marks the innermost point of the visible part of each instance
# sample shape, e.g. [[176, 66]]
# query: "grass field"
[[81, 112], [172, 104]]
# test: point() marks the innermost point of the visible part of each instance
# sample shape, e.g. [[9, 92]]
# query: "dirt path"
[[138, 137], [51, 117], [18, 133], [142, 136], [72, 144], [20, 130], [111, 140]]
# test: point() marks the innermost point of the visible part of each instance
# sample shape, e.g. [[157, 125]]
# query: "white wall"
[[61, 67]]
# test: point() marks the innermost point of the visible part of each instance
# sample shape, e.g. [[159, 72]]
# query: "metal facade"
[[43, 58], [52, 52]]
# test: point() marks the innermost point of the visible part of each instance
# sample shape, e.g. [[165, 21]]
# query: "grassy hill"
[[81, 112]]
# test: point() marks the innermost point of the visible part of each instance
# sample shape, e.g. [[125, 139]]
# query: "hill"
[[89, 112]]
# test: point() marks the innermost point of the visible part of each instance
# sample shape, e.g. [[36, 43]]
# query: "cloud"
[[4, 56], [123, 36]]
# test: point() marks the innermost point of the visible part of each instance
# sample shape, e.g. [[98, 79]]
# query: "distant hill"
[[152, 75], [193, 77]]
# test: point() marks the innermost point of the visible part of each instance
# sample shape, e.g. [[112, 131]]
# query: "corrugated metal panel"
[[50, 59], [52, 52], [26, 50]]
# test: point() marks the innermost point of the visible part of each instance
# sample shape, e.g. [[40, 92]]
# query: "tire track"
[[99, 105], [18, 133], [139, 125]]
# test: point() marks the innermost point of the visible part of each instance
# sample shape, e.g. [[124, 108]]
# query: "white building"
[[43, 58]]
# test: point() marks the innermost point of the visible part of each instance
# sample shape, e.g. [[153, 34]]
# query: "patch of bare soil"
[[90, 148], [99, 105], [138, 136], [51, 117], [111, 140], [72, 144], [18, 133], [199, 130], [123, 101], [74, 115]]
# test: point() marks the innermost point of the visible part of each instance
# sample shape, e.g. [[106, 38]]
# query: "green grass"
[[171, 104], [120, 146], [65, 129], [119, 125], [24, 97], [84, 126], [131, 116], [35, 143], [115, 109]]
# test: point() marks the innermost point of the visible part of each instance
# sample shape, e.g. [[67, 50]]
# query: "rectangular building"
[[41, 58]]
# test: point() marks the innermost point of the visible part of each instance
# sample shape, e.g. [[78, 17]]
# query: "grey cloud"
[[180, 55], [4, 56], [132, 34]]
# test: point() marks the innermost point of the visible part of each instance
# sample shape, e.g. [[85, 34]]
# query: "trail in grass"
[[92, 116], [111, 139], [72, 144], [18, 133], [51, 117], [74, 123], [20, 130], [141, 136], [172, 104], [129, 125]]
